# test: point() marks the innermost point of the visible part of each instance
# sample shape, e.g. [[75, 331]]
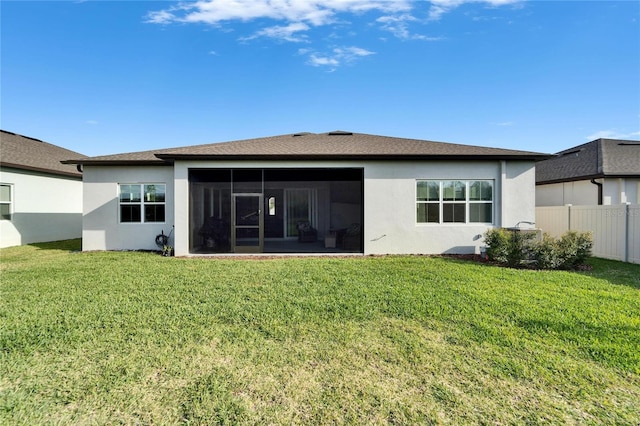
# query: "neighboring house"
[[305, 192], [603, 172], [40, 198]]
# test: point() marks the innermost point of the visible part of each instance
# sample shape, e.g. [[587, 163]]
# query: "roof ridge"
[[23, 136]]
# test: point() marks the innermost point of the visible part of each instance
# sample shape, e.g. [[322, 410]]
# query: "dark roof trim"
[[589, 177], [119, 162], [340, 157], [42, 170]]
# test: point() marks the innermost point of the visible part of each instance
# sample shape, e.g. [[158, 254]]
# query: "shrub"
[[518, 248], [574, 248], [568, 252], [547, 253], [510, 247], [497, 241]]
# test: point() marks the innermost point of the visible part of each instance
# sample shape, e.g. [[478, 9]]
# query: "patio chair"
[[216, 233], [306, 232], [352, 237]]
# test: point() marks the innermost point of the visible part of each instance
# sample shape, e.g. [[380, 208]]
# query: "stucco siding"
[[44, 208], [518, 193], [102, 229], [390, 205], [621, 191], [390, 225], [584, 193]]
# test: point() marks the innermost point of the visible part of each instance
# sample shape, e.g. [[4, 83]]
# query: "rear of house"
[[335, 192], [595, 188], [600, 172], [40, 198]]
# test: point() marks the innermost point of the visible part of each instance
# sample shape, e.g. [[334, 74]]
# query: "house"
[[602, 172], [40, 198], [304, 192]]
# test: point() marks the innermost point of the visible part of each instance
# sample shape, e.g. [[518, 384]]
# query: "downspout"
[[599, 185], [503, 190]]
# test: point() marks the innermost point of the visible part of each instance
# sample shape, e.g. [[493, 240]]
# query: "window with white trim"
[[142, 202], [454, 201], [6, 201]]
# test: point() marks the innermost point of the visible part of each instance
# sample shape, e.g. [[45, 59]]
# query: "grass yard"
[[136, 338]]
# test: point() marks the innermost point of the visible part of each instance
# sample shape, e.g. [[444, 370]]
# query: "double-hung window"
[[454, 201], [142, 203], [6, 201]]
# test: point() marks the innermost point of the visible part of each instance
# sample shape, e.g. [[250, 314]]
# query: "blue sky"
[[102, 77]]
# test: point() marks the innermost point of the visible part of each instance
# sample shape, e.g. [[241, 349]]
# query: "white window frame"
[[467, 201], [142, 203], [8, 203]]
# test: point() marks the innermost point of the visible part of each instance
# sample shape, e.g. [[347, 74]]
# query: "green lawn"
[[136, 338]]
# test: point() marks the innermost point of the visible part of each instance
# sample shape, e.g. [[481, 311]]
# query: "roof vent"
[[301, 134], [630, 143], [340, 133], [564, 154]]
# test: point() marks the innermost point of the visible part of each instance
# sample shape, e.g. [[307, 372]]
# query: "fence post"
[[627, 235], [569, 217]]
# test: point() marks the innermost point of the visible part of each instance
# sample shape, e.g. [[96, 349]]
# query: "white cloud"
[[440, 7], [286, 33], [398, 25], [314, 12], [338, 56], [317, 61], [612, 134], [311, 12], [296, 18]]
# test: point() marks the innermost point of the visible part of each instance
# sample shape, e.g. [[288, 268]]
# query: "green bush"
[[547, 253], [497, 241], [518, 248], [574, 247], [508, 246]]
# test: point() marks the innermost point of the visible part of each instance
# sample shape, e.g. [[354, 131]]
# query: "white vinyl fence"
[[615, 229]]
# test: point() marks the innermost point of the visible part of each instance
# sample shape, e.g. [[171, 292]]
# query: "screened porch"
[[317, 210]]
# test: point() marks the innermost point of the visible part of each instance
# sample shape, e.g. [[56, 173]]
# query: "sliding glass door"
[[300, 207]]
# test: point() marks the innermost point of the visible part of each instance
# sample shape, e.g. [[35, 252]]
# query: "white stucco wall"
[[621, 191], [45, 208], [101, 229], [585, 193], [390, 207], [558, 194], [390, 202]]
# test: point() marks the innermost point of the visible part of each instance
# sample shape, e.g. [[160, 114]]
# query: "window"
[[454, 201], [142, 203], [5, 201], [272, 206]]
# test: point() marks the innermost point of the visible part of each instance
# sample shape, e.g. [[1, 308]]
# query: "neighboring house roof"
[[595, 159], [337, 145], [22, 152]]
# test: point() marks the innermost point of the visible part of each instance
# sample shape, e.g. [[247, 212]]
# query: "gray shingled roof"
[[595, 159], [337, 145], [22, 152]]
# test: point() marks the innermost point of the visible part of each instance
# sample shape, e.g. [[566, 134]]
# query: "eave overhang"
[[589, 177], [348, 157], [42, 170], [119, 162]]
